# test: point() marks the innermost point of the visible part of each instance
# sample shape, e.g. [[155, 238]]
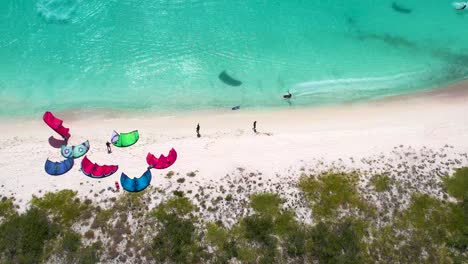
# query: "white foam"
[[57, 10]]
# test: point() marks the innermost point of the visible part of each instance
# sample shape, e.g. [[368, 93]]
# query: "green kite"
[[124, 139]]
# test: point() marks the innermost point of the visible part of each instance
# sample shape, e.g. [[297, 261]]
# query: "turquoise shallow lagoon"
[[160, 55]]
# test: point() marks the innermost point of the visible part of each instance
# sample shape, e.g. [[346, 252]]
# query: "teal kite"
[[75, 151], [136, 184]]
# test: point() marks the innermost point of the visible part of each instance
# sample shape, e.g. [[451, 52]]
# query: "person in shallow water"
[[254, 127], [198, 130], [108, 145], [460, 5], [287, 96]]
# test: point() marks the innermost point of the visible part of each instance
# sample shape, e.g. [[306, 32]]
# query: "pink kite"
[[56, 124], [163, 162], [94, 170]]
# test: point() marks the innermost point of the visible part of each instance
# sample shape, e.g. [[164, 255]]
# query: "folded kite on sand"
[[58, 168], [162, 162], [75, 151], [135, 184], [124, 139], [95, 170], [56, 124], [57, 143]]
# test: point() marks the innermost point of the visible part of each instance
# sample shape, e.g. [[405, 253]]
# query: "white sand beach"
[[288, 140]]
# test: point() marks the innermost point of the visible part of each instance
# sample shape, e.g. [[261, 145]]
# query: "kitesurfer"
[[198, 130], [287, 96], [108, 145], [460, 5], [254, 127]]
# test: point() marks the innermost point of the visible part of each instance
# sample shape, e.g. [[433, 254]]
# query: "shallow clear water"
[[167, 55]]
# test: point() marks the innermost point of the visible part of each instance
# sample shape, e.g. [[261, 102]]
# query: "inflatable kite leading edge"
[[135, 184], [75, 151], [124, 139], [58, 168], [56, 125], [162, 162], [95, 170]]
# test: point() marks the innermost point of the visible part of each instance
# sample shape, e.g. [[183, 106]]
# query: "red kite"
[[56, 124], [95, 170], [162, 162]]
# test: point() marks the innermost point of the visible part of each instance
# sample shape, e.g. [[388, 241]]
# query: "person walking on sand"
[[117, 186], [108, 145], [254, 127], [198, 130]]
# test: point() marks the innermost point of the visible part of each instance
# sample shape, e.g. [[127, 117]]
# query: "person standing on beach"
[[117, 186], [108, 145], [254, 127], [198, 130]]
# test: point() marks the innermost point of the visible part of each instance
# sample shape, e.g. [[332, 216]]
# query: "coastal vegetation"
[[344, 226]]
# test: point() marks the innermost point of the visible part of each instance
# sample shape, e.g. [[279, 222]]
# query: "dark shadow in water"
[[457, 62], [225, 78], [398, 8], [56, 143], [394, 41], [445, 54]]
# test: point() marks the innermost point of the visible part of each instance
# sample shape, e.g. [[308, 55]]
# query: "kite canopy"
[[58, 168], [135, 184], [75, 151], [56, 124], [95, 170], [124, 139], [162, 162]]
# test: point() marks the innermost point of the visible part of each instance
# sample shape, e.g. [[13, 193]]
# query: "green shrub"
[[381, 183], [180, 206], [216, 235], [457, 186], [130, 201], [7, 209], [89, 234], [90, 254], [23, 237], [341, 242], [68, 246], [266, 203], [181, 180], [332, 191], [178, 193], [63, 206], [169, 174], [429, 231], [101, 220], [177, 238], [259, 229]]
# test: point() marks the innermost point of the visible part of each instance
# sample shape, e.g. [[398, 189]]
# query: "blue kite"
[[136, 184], [58, 168]]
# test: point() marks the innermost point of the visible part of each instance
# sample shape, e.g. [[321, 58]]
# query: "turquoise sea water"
[[165, 55]]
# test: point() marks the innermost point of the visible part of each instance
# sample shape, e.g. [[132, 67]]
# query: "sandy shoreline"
[[296, 137]]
